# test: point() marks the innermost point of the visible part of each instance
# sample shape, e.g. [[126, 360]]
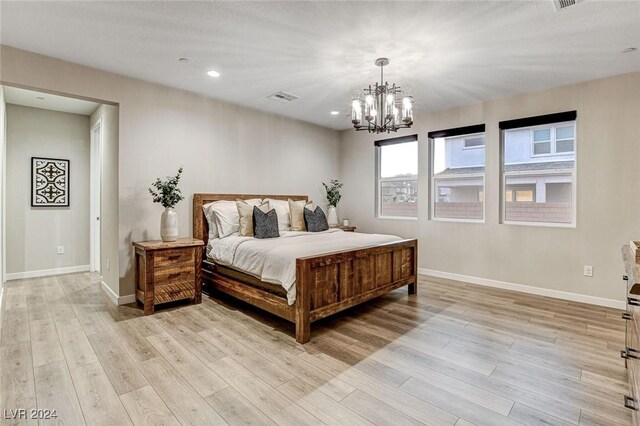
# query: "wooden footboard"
[[329, 283]]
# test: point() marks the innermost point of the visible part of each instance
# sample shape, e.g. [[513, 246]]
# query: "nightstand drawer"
[[173, 292], [172, 257], [174, 274]]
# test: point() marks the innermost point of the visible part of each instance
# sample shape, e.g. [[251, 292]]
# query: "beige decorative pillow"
[[245, 211], [296, 209]]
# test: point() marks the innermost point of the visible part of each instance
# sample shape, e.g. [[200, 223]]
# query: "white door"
[[96, 195]]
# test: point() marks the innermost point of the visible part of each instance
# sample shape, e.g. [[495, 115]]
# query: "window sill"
[[451, 219], [396, 218], [541, 224]]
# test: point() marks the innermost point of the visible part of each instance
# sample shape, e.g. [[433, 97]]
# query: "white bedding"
[[273, 260]]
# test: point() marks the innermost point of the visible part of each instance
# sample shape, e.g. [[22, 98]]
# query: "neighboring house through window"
[[457, 178], [539, 169], [397, 172]]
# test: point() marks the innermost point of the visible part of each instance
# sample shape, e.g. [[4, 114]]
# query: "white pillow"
[[211, 220], [282, 210], [227, 217]]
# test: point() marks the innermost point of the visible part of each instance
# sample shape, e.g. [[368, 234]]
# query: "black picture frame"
[[58, 179]]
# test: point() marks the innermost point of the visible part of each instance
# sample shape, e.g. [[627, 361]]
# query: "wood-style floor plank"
[[184, 402], [98, 400], [118, 365], [17, 387], [236, 409], [146, 408], [55, 391]]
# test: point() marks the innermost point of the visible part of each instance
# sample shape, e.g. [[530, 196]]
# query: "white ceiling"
[[30, 98], [449, 53]]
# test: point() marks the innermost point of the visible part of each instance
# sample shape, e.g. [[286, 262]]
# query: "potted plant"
[[168, 194], [333, 198]]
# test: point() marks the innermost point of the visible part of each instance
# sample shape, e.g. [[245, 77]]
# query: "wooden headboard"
[[200, 225]]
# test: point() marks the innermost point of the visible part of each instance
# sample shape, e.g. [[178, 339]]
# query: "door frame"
[[95, 191]]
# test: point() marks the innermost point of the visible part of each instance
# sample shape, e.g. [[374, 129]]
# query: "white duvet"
[[273, 260]]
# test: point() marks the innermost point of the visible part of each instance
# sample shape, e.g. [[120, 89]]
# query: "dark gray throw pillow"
[[265, 225], [315, 220]]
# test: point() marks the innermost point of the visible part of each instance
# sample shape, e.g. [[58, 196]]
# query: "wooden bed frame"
[[326, 283]]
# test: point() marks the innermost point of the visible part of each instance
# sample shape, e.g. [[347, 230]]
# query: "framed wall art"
[[49, 182]]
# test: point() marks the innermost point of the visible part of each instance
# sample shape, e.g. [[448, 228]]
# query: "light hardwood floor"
[[452, 354]]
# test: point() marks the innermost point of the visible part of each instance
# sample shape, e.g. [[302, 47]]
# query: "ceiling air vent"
[[563, 4], [283, 97]]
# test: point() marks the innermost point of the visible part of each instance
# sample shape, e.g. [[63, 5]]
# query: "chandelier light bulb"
[[407, 110], [356, 111]]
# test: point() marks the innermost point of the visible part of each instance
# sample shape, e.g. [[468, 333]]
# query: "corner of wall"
[[3, 161]]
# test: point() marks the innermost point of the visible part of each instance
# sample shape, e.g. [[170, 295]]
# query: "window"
[[457, 178], [477, 142], [398, 177], [539, 170], [553, 140]]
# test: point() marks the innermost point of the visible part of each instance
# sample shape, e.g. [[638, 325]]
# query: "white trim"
[[458, 220], [95, 208], [541, 224], [114, 298], [556, 294], [397, 217], [47, 272]]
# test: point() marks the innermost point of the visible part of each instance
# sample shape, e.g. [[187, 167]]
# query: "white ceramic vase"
[[169, 225], [332, 216]]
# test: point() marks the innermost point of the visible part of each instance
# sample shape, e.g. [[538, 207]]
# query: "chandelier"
[[385, 107]]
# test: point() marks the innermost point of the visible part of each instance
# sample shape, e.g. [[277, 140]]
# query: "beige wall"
[[608, 194], [33, 233], [108, 116], [223, 147], [3, 156]]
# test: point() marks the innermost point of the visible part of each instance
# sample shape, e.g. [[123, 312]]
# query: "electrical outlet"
[[60, 249], [108, 265], [588, 270]]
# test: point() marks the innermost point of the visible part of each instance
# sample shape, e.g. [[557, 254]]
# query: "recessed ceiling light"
[[335, 112], [630, 50], [213, 73], [183, 60], [40, 98]]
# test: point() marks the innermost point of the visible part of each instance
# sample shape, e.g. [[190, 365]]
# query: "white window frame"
[[380, 180], [552, 142], [432, 181], [573, 172]]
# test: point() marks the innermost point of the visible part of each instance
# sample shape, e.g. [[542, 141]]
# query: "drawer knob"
[[625, 277], [629, 353], [627, 316], [630, 403], [633, 302]]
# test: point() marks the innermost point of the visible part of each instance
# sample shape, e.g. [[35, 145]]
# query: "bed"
[[325, 283]]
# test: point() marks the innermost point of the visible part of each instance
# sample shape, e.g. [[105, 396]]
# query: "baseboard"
[[125, 300], [114, 298], [47, 272], [556, 294]]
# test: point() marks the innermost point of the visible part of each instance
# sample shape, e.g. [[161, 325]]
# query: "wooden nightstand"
[[166, 272], [348, 228]]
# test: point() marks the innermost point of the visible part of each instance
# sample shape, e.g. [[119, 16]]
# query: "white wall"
[[34, 233], [223, 147], [108, 115], [608, 194]]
